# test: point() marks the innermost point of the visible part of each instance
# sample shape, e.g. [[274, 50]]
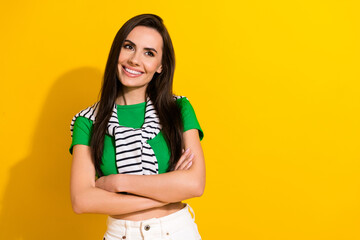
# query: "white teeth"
[[132, 71]]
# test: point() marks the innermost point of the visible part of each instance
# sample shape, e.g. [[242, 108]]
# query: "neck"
[[131, 96]]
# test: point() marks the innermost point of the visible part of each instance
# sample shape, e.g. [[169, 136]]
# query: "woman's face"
[[140, 57]]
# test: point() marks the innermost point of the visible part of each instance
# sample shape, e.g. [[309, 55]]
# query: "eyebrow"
[[152, 49]]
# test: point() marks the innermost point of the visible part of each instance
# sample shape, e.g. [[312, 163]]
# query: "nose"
[[134, 59]]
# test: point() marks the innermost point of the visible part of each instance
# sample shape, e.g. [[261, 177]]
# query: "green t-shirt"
[[133, 116]]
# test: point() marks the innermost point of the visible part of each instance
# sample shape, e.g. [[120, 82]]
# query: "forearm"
[[96, 200], [168, 187], [180, 184]]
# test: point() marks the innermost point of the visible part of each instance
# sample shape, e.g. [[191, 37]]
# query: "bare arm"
[[168, 187], [86, 198]]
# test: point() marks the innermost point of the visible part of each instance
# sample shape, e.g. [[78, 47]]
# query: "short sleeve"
[[81, 132], [189, 117]]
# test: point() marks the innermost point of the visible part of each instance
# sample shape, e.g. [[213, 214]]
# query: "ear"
[[159, 69]]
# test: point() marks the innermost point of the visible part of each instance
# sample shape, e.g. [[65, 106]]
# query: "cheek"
[[121, 57], [124, 56], [152, 66]]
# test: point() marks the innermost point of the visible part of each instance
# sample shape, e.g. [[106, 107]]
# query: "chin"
[[133, 85], [132, 82]]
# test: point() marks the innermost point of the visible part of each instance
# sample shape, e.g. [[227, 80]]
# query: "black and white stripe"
[[133, 154]]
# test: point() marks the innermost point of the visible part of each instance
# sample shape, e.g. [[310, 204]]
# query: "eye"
[[151, 54], [128, 46]]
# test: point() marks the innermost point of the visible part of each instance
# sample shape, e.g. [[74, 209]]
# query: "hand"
[[185, 160], [108, 183]]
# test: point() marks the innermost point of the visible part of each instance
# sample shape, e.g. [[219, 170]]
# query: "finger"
[[188, 165], [186, 162], [189, 162], [182, 158]]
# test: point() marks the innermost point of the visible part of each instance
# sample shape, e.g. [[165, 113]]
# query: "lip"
[[131, 74]]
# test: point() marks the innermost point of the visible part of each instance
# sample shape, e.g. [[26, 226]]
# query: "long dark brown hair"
[[159, 90]]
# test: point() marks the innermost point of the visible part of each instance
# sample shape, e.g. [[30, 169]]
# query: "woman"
[[136, 146]]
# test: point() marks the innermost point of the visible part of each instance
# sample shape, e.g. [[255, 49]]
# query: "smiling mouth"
[[131, 71]]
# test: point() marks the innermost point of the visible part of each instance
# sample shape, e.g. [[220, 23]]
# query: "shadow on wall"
[[36, 202]]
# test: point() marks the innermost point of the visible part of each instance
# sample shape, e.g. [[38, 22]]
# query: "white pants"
[[179, 225]]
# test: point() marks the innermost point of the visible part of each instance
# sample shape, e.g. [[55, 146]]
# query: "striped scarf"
[[133, 154]]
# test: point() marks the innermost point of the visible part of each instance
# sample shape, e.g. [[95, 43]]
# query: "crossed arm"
[[90, 196]]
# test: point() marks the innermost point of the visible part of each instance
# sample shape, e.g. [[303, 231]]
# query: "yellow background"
[[275, 86]]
